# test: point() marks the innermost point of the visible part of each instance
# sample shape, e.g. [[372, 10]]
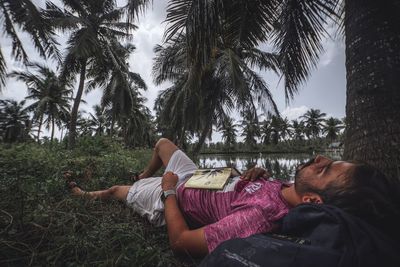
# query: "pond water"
[[281, 166]]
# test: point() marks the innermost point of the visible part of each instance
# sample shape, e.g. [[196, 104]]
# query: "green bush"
[[41, 224]]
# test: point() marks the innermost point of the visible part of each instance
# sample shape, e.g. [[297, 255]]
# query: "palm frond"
[[135, 7], [262, 93], [137, 80], [199, 20], [169, 62], [18, 50], [77, 6], [263, 60], [298, 36], [248, 22], [62, 19], [122, 26]]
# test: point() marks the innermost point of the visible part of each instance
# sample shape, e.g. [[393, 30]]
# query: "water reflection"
[[281, 166]]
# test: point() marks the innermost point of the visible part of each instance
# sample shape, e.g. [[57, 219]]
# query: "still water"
[[281, 166]]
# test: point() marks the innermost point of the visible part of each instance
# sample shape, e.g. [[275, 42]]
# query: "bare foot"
[[75, 189]]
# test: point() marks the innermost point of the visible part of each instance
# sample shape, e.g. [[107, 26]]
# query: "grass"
[[41, 224]]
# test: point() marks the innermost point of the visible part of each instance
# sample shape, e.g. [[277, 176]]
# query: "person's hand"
[[169, 181], [255, 173]]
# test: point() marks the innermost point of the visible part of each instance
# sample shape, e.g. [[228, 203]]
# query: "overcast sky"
[[325, 89]]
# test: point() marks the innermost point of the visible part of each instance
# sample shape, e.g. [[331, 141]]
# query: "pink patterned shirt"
[[242, 209]]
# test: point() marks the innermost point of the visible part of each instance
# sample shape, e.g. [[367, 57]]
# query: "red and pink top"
[[242, 209]]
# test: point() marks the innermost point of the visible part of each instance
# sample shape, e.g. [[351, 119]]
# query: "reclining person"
[[245, 206]]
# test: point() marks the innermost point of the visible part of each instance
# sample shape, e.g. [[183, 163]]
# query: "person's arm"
[[181, 238], [255, 173]]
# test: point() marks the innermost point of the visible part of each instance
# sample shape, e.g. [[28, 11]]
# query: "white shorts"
[[144, 197]]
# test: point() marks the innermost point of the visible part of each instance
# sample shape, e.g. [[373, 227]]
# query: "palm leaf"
[[135, 7], [298, 36]]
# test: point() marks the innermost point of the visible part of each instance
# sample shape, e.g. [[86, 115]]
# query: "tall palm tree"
[[372, 43], [229, 132], [265, 131], [14, 120], [373, 95], [285, 129], [332, 128], [51, 95], [298, 129], [313, 121], [120, 89], [23, 14], [201, 98], [98, 120], [275, 128], [84, 124], [250, 129], [137, 127], [95, 28]]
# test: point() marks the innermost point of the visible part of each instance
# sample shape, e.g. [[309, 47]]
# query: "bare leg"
[[162, 153], [117, 192]]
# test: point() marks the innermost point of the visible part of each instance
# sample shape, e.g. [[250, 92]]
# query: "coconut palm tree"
[[98, 120], [298, 130], [122, 102], [372, 39], [83, 124], [332, 128], [137, 127], [95, 28], [24, 15], [201, 98], [50, 94], [275, 128], [250, 129], [229, 132], [313, 121], [14, 120], [120, 88], [285, 129], [265, 131]]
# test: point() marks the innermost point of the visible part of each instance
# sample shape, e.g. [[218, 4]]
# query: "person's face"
[[318, 172]]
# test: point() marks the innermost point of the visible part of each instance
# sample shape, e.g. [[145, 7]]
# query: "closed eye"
[[327, 168]]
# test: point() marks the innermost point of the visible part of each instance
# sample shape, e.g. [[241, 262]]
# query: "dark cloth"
[[311, 235]]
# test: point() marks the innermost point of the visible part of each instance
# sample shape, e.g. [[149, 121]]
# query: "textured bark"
[[40, 128], [52, 128], [202, 138], [373, 83], [74, 112]]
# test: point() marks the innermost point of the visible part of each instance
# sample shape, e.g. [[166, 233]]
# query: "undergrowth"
[[42, 225]]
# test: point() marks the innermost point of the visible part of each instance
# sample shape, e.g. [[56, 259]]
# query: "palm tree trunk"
[[112, 126], [40, 127], [52, 129], [373, 84], [202, 139], [77, 101], [181, 138]]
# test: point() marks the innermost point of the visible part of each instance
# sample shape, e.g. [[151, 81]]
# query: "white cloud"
[[149, 33], [294, 113], [332, 46]]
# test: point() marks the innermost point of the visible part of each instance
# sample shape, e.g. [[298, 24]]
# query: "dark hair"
[[369, 194]]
